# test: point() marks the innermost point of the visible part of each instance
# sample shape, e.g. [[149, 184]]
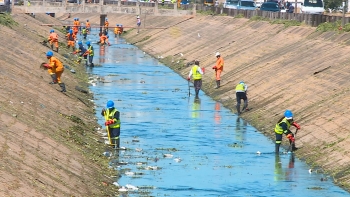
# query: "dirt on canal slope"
[[293, 68], [48, 143]]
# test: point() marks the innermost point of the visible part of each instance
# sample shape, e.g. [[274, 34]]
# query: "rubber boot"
[[116, 143], [54, 79], [277, 148], [197, 92], [293, 147], [217, 84], [245, 106], [63, 87], [57, 49], [238, 107]]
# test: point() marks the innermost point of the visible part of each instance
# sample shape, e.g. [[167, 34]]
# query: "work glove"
[[47, 66], [296, 125], [214, 67], [291, 137], [188, 78], [203, 70]]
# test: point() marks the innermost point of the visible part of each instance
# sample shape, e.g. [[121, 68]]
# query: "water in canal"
[[178, 146]]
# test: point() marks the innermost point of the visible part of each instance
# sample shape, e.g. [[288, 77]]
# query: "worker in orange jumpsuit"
[[219, 67], [71, 37], [117, 31], [53, 39], [103, 39], [78, 24], [88, 26], [55, 66], [106, 24], [178, 3]]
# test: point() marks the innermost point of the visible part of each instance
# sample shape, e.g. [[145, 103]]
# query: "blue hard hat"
[[110, 104], [121, 25], [87, 20], [77, 18], [49, 54], [241, 82], [70, 31], [288, 114], [87, 42], [117, 25], [106, 19], [52, 30], [107, 36], [80, 42]]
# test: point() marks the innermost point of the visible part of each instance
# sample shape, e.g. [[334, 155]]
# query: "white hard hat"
[[217, 54], [137, 17]]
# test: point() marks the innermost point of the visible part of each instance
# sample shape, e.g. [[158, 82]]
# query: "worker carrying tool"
[[83, 53], [219, 67], [112, 123], [197, 73], [282, 127], [53, 39], [71, 37], [55, 69], [241, 93], [91, 53]]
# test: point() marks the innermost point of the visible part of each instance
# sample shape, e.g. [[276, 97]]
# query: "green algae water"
[[179, 146]]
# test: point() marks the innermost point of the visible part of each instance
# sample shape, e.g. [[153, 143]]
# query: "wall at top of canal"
[[294, 68]]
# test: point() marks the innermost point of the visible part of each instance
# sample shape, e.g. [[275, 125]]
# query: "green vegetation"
[[286, 23], [239, 16], [206, 12], [258, 18], [7, 20], [324, 27]]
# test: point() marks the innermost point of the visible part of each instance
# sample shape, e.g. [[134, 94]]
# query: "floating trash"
[[168, 155]]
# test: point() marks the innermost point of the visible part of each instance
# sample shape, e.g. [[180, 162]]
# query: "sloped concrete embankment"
[[47, 142], [293, 68]]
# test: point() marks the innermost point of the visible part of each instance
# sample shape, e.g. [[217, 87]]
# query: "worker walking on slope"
[[53, 39], [71, 37], [282, 127], [55, 69], [219, 67], [138, 23], [241, 93], [197, 73], [91, 53], [112, 123]]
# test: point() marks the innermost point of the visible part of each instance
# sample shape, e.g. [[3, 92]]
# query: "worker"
[[112, 123], [71, 37], [53, 39], [178, 3], [163, 2], [103, 39], [88, 26], [219, 67], [83, 53], [55, 69], [91, 53], [282, 127], [241, 93], [138, 23], [84, 32], [197, 73], [78, 24], [117, 31], [106, 24]]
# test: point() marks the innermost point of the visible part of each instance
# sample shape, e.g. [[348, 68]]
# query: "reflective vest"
[[278, 128], [91, 50], [196, 74], [110, 116], [84, 31], [240, 87]]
